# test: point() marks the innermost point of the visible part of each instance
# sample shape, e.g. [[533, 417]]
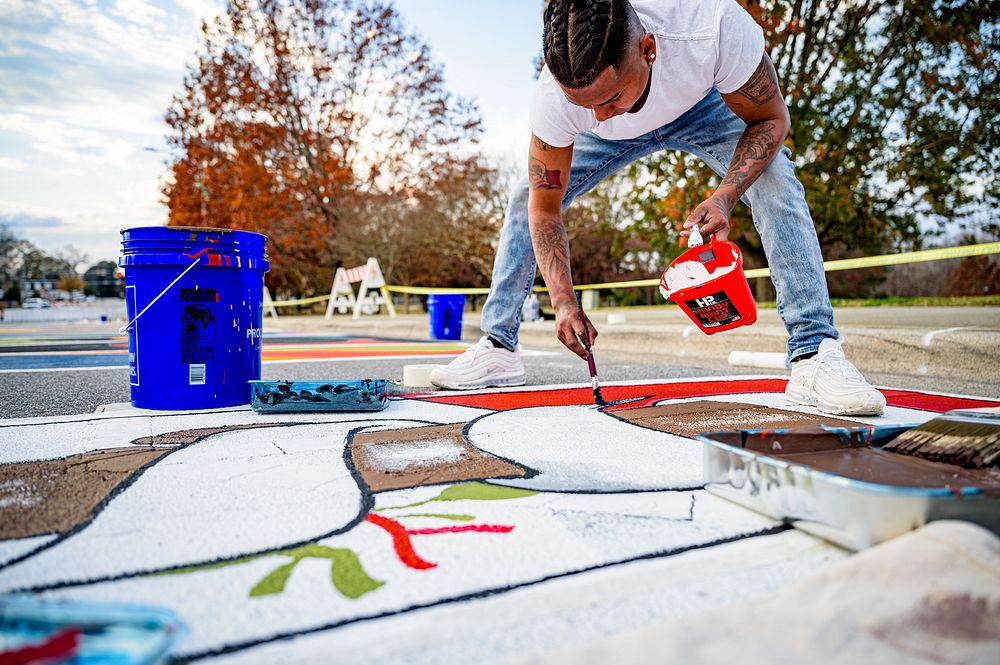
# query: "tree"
[[893, 106], [69, 283], [102, 280], [437, 237], [20, 259], [13, 249], [308, 120]]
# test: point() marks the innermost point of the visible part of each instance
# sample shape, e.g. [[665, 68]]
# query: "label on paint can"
[[197, 326], [714, 310], [196, 375], [133, 336]]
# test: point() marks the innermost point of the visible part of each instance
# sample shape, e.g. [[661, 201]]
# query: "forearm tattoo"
[[541, 145], [754, 151], [540, 177], [763, 85], [548, 236]]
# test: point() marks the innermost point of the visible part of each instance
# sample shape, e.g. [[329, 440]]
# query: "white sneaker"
[[481, 366], [832, 384]]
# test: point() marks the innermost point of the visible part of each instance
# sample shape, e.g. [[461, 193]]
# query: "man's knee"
[[777, 185]]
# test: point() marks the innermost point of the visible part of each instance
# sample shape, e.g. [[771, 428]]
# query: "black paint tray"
[[319, 396]]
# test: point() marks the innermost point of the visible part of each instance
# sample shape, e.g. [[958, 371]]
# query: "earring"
[[652, 56]]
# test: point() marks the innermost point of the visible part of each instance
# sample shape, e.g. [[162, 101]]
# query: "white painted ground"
[[612, 537]]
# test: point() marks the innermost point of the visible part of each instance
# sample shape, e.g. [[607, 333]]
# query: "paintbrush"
[[591, 365], [969, 439]]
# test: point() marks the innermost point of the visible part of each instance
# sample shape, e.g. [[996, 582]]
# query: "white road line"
[[929, 336], [454, 354], [61, 369]]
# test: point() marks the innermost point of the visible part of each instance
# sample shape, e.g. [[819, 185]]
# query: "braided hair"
[[582, 38]]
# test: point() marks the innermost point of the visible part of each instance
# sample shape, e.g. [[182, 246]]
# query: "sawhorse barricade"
[[371, 293]]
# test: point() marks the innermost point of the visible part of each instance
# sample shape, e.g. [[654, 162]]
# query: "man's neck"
[[645, 93]]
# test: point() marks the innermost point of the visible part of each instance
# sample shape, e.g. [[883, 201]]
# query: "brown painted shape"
[[397, 459], [808, 446], [186, 436], [52, 496], [692, 418]]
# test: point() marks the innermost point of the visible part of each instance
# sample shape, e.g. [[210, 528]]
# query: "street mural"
[[317, 531]]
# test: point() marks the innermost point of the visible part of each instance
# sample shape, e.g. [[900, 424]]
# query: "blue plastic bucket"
[[193, 342], [446, 315]]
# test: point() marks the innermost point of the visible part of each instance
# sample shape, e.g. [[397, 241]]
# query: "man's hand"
[[574, 329], [711, 216]]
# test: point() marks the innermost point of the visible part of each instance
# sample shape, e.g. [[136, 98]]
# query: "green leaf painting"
[[441, 516], [274, 582], [472, 492], [347, 574]]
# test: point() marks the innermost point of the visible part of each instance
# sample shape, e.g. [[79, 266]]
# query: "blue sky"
[[84, 85]]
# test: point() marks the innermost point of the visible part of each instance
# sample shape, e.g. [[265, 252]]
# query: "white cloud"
[[69, 143], [85, 89], [22, 220], [139, 12], [11, 164]]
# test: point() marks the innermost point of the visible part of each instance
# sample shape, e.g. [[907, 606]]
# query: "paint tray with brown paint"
[[837, 483], [319, 396]]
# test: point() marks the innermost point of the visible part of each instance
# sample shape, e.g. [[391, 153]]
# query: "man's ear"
[[648, 47]]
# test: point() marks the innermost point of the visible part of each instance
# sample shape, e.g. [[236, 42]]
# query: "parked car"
[[35, 303]]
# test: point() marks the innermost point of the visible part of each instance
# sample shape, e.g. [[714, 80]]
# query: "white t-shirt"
[[700, 44]]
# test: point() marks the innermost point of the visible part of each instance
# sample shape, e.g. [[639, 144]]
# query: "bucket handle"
[[128, 325]]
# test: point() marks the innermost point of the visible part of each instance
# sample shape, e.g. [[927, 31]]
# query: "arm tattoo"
[[541, 145], [551, 246], [753, 153], [762, 86], [540, 177]]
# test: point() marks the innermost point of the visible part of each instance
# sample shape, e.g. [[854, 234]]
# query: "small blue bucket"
[[446, 315], [194, 300]]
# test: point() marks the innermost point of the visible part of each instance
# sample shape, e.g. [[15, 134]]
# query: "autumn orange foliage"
[[325, 126]]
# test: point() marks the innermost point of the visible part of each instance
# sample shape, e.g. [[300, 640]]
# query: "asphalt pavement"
[[954, 350]]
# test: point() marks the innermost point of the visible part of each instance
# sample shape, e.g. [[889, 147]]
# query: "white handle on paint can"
[[695, 238], [128, 325]]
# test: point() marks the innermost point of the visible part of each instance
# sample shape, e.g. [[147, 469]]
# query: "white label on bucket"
[[197, 325], [196, 375], [133, 336]]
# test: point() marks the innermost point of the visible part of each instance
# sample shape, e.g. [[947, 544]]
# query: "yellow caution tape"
[[300, 301], [829, 266], [425, 290], [981, 249]]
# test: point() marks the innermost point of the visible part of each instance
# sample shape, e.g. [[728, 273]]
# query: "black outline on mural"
[[366, 504], [475, 595], [535, 472], [100, 418]]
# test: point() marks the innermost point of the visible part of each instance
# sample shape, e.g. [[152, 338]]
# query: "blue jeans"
[[709, 130]]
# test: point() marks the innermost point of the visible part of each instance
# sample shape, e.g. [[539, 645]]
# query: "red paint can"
[[721, 299]]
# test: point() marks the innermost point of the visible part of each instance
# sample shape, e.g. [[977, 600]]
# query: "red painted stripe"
[[60, 646], [911, 399], [570, 396], [400, 542], [648, 394], [478, 528]]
